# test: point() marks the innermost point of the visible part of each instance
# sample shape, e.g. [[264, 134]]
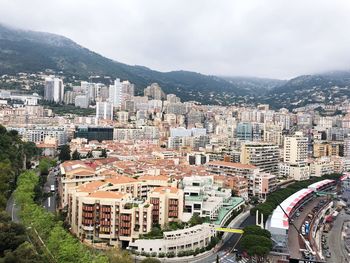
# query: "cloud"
[[270, 38]]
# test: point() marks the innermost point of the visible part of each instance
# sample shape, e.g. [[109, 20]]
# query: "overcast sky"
[[266, 38]]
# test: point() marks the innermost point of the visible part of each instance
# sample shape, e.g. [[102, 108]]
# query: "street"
[[231, 241], [336, 242], [50, 202]]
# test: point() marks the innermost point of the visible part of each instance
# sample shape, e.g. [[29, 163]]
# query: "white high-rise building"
[[120, 92], [295, 149], [54, 89], [295, 156], [104, 110]]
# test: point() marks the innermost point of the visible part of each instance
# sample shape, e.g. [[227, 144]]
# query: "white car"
[[303, 230]]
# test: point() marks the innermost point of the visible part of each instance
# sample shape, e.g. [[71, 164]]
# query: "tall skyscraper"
[[295, 156], [295, 149], [54, 89], [104, 110], [120, 92]]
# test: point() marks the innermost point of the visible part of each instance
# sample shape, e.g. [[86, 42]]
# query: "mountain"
[[329, 87], [254, 84], [30, 51]]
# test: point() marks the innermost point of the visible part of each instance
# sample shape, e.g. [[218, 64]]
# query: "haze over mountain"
[[30, 51]]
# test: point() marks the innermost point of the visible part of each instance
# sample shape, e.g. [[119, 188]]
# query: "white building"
[[175, 241], [295, 156], [120, 92], [81, 101], [54, 89], [104, 110]]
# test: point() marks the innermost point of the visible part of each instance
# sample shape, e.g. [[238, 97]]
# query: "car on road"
[[303, 229], [52, 188], [297, 214]]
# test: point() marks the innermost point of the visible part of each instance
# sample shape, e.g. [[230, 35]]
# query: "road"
[[294, 247], [336, 242], [50, 202], [231, 241]]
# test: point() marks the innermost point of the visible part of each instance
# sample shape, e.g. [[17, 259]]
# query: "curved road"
[[230, 241]]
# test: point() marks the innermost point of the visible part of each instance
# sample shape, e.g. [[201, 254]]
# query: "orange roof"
[[105, 194], [121, 180], [163, 189], [234, 165], [90, 187], [154, 178]]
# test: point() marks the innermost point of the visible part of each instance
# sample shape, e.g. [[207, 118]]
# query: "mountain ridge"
[[31, 51]]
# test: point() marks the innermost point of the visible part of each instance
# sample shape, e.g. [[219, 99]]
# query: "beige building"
[[113, 211], [168, 205], [273, 134], [264, 156], [264, 184], [321, 166], [295, 156], [322, 149]]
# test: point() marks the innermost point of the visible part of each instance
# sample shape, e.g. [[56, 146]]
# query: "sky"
[[263, 38]]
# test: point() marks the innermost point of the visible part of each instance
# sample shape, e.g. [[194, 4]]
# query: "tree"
[[256, 230], [89, 154], [44, 166], [256, 246], [103, 153], [64, 153], [195, 220], [76, 155], [11, 234], [25, 253]]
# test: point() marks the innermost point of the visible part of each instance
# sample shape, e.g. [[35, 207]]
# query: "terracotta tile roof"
[[105, 194], [121, 180], [164, 189], [90, 187], [153, 177]]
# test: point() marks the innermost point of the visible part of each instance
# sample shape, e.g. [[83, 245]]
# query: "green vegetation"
[[64, 153], [278, 196], [76, 155], [197, 220], [103, 153], [71, 109], [45, 164], [15, 156], [59, 245], [256, 242]]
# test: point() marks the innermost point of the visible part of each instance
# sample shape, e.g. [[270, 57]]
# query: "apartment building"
[[322, 148], [168, 204], [264, 184], [321, 166], [295, 155], [118, 211], [107, 216], [250, 172], [265, 156]]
